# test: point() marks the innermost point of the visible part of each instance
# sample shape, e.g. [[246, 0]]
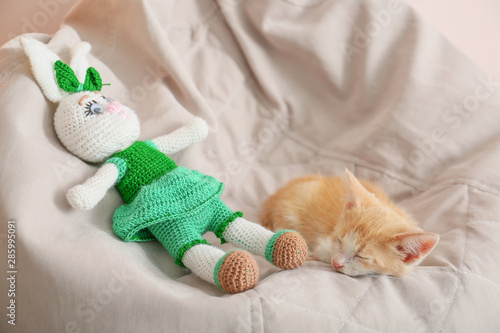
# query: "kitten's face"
[[362, 244], [373, 238]]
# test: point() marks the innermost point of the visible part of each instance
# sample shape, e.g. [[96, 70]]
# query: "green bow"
[[67, 80]]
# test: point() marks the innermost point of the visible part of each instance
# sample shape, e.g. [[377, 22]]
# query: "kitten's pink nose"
[[337, 265]]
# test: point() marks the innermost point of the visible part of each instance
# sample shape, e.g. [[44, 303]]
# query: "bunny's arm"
[[88, 194], [194, 131]]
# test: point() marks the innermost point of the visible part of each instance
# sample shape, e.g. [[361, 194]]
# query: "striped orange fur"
[[352, 225]]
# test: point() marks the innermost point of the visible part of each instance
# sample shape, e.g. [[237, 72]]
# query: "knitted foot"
[[286, 249], [236, 272]]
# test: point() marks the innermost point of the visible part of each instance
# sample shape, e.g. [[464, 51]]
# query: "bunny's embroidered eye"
[[93, 108]]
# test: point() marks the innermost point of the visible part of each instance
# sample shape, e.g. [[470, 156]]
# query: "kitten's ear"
[[414, 247], [357, 194]]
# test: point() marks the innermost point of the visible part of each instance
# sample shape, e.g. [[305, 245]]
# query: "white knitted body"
[[201, 259], [248, 235]]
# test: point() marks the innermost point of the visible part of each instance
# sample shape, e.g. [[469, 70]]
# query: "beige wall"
[[471, 25], [20, 16]]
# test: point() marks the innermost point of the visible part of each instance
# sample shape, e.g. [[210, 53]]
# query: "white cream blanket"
[[287, 88]]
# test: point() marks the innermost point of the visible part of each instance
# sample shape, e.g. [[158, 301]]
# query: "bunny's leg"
[[234, 271], [285, 249]]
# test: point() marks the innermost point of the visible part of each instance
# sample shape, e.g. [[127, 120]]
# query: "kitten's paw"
[[287, 249], [237, 272]]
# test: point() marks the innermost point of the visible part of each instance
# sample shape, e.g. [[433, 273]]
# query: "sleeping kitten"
[[349, 224]]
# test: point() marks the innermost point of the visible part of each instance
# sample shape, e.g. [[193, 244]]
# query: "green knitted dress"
[[172, 204]]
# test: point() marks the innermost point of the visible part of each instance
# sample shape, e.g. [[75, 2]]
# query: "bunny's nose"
[[114, 107]]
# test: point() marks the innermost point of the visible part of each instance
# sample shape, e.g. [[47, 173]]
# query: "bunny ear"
[[79, 61], [42, 64]]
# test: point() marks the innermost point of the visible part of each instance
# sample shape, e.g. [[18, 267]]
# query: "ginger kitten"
[[350, 224]]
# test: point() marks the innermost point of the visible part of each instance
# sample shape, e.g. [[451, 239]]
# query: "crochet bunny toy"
[[162, 200]]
